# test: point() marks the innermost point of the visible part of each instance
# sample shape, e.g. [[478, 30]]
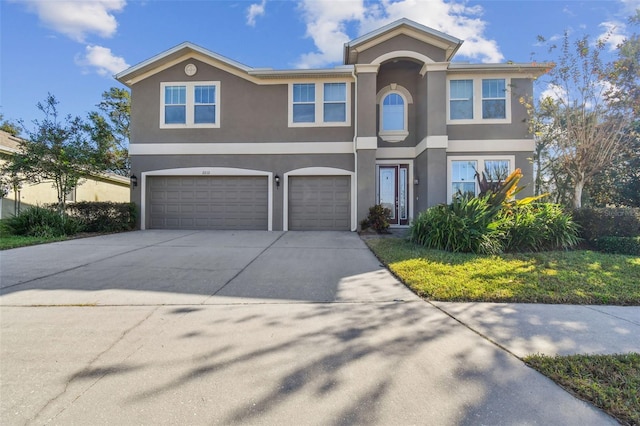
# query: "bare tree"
[[584, 133]]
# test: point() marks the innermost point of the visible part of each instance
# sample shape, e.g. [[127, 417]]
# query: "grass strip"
[[610, 382], [569, 277], [15, 241]]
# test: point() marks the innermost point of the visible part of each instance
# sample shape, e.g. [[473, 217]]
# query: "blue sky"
[[72, 48]]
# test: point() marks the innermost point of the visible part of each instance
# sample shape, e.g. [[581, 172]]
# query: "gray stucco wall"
[[401, 42], [248, 112]]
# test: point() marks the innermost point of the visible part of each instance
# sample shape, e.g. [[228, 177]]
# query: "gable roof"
[[405, 26], [187, 49], [170, 57]]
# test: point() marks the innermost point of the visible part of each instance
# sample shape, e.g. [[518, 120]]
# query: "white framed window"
[[461, 172], [304, 103], [319, 104], [393, 103], [494, 98], [190, 104], [461, 99], [392, 113], [335, 102], [473, 100]]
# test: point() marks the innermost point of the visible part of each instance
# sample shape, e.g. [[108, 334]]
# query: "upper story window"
[[304, 103], [392, 117], [188, 105], [335, 102], [393, 101], [319, 104], [461, 99], [494, 98], [479, 101]]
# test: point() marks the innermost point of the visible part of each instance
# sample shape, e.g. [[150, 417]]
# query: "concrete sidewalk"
[[525, 329], [182, 327]]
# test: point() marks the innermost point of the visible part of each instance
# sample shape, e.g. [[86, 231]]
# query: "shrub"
[[378, 219], [537, 227], [474, 225], [605, 222], [466, 225], [104, 216], [42, 222], [619, 245]]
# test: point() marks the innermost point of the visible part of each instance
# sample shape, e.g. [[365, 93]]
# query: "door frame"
[[317, 171], [410, 184]]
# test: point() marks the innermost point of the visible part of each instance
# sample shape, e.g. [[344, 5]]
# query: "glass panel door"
[[387, 190]]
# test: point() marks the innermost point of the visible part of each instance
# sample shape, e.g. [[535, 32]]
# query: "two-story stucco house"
[[219, 145]]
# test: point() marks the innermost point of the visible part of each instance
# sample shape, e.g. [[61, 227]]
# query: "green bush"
[[104, 216], [466, 225], [537, 227], [474, 225], [378, 219], [596, 223], [619, 245], [42, 222]]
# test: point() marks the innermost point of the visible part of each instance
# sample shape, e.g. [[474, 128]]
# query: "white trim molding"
[[248, 148], [396, 54], [366, 142], [318, 171], [434, 141], [205, 171]]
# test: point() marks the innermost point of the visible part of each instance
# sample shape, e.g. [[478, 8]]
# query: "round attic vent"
[[190, 70]]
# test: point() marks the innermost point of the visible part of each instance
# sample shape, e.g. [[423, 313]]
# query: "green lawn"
[[15, 241], [572, 277], [611, 382]]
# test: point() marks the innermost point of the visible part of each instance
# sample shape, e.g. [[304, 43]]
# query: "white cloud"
[[255, 10], [630, 6], [555, 92], [614, 34], [78, 18], [102, 60], [327, 22]]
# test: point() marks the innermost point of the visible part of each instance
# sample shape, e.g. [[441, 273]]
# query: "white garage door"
[[207, 202], [320, 203]]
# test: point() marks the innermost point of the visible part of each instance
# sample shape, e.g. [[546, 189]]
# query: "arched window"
[[392, 117], [393, 101]]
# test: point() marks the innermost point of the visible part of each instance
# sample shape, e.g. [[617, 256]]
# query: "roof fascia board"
[[406, 23], [513, 68], [407, 27], [426, 38]]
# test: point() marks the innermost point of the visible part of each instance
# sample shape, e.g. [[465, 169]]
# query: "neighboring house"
[[219, 145], [103, 187]]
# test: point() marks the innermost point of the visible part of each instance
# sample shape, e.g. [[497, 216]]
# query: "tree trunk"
[[577, 193]]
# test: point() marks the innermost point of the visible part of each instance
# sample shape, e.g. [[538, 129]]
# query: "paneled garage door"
[[320, 203], [207, 202]]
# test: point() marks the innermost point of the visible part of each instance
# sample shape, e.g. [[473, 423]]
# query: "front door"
[[393, 189]]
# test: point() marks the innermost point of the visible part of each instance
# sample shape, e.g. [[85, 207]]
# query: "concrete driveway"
[[183, 327]]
